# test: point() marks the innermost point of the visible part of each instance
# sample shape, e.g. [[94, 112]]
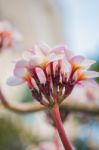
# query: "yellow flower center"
[[45, 62], [75, 67], [26, 77]]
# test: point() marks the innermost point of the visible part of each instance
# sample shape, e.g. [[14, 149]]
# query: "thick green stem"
[[59, 126]]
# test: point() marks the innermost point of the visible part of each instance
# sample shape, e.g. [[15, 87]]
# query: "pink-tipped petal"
[[12, 81], [60, 49], [91, 74], [19, 72], [77, 60]]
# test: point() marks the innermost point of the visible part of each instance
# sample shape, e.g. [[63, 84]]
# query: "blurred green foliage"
[[10, 138], [15, 136], [80, 145], [96, 68]]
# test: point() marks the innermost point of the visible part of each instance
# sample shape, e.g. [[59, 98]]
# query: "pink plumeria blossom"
[[81, 75], [51, 74], [77, 64], [41, 55], [80, 62], [9, 36]]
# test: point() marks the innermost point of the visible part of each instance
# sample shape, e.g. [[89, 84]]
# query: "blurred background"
[[74, 23]]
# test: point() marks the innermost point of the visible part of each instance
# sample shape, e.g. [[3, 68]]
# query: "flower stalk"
[[60, 129]]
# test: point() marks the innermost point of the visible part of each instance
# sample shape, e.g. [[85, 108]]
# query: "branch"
[[88, 108], [20, 108]]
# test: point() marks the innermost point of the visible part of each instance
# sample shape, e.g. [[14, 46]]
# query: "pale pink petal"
[[62, 49], [27, 55], [41, 75], [83, 62], [12, 81], [19, 72], [59, 49], [38, 51], [94, 83], [32, 51], [83, 75], [87, 63], [91, 83], [77, 60], [44, 48], [35, 61], [21, 63], [91, 74], [66, 66], [55, 57]]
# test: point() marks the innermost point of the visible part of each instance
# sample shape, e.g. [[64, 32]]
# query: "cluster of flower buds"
[[8, 35], [51, 74]]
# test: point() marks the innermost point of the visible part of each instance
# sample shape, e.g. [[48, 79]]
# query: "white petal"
[[19, 72], [66, 65], [35, 61], [77, 60], [91, 83], [38, 50], [28, 55], [55, 57], [87, 63], [91, 74], [12, 81]]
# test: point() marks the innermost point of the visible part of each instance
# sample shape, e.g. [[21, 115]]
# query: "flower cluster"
[[51, 74], [8, 35]]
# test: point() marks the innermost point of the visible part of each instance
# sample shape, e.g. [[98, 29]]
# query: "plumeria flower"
[[51, 76], [79, 62], [9, 36], [41, 55]]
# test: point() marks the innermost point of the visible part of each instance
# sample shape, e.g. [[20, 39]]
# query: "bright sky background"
[[81, 22]]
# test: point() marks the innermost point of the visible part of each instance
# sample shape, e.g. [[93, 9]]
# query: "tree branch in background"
[[20, 108], [89, 108]]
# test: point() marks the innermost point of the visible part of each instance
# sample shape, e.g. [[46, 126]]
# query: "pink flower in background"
[[9, 36], [50, 74]]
